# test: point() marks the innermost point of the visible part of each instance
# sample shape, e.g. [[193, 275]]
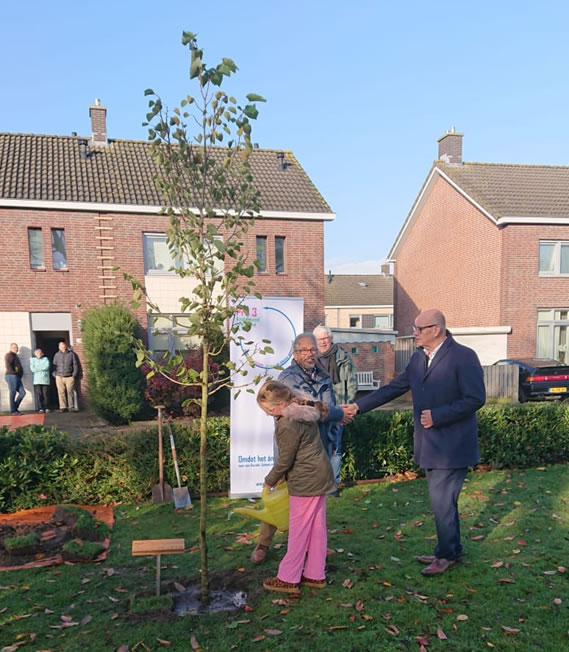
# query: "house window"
[[553, 258], [355, 350], [58, 251], [169, 334], [261, 254], [35, 244], [382, 321], [279, 254], [157, 256], [375, 349], [553, 334], [355, 321]]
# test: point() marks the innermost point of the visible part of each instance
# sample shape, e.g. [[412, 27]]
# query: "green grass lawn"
[[511, 591]]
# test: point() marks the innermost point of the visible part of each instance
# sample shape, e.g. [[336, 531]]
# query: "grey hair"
[[322, 328], [303, 336], [440, 320]]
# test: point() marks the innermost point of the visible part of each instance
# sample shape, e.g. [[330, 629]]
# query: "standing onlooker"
[[39, 366], [66, 368], [447, 383], [14, 373], [304, 463], [340, 367]]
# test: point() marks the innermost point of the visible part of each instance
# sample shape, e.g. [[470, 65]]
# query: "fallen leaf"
[[246, 607], [557, 601], [347, 605], [86, 620], [163, 642], [334, 627], [66, 619], [395, 559], [273, 632], [441, 634], [112, 599], [506, 580], [392, 629], [123, 648], [367, 617], [348, 583], [258, 638], [462, 617], [561, 569], [194, 643], [478, 537], [510, 630], [347, 531], [359, 605], [179, 587], [550, 572], [497, 564]]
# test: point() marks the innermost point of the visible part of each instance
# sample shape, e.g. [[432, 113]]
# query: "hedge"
[[44, 466]]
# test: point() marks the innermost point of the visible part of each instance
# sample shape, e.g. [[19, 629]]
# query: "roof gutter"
[[101, 207]]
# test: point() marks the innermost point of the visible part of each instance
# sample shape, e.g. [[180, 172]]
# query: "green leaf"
[[251, 111], [196, 67], [253, 97], [188, 37], [149, 91]]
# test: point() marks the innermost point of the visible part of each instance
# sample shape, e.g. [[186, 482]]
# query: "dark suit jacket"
[[453, 389]]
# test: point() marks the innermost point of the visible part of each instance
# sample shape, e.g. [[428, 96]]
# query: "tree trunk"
[[203, 476]]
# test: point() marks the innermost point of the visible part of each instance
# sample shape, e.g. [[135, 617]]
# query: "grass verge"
[[510, 593]]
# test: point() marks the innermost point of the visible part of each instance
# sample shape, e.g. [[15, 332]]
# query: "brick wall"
[[450, 260], [523, 290], [52, 290], [381, 363]]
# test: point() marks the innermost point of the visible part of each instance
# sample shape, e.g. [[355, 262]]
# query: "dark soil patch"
[[229, 591], [52, 536]]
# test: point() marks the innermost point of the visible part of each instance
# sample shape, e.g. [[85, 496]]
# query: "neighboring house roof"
[[505, 193], [50, 168], [514, 190], [358, 290]]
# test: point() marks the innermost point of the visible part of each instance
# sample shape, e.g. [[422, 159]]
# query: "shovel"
[[181, 494], [161, 492]]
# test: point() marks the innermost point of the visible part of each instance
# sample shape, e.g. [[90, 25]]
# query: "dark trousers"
[[444, 490], [15, 386], [42, 396]]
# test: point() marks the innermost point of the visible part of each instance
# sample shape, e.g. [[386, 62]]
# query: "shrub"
[[115, 383], [177, 399]]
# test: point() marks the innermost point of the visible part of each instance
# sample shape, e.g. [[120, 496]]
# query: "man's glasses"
[[305, 351], [420, 329]]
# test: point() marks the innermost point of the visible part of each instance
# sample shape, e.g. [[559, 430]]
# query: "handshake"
[[350, 411]]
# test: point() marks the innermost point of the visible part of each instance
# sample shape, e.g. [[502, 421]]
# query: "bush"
[[41, 466], [115, 383], [176, 398]]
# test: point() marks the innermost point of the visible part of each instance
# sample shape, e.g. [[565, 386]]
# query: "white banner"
[[280, 320]]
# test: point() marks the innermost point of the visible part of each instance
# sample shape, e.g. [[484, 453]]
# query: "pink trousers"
[[307, 540]]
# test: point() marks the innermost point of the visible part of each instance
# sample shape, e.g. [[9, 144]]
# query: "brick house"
[[72, 208], [359, 310], [489, 245]]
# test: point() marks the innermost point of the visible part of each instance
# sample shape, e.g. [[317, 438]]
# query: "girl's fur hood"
[[297, 412]]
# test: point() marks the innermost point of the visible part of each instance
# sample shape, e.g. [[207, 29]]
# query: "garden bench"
[[366, 381], [157, 548]]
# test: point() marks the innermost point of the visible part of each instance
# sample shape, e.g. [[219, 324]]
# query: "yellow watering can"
[[275, 507]]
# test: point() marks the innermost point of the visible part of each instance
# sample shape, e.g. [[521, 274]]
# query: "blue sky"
[[359, 91]]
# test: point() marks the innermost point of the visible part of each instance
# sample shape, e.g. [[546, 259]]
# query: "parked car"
[[541, 378]]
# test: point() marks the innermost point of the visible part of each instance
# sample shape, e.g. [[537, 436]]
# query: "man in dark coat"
[[447, 384], [13, 375]]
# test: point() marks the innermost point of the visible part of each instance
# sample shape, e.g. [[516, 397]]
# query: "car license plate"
[[557, 390]]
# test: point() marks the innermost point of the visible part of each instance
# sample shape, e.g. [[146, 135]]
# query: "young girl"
[[305, 464]]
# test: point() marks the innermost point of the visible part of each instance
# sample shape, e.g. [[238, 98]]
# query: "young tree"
[[208, 192]]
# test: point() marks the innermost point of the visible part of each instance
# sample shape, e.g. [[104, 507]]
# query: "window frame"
[[170, 331], [264, 240], [552, 325], [284, 248], [61, 267], [36, 229], [355, 316], [556, 272]]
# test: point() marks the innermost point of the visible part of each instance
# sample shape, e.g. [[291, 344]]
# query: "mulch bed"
[[53, 535]]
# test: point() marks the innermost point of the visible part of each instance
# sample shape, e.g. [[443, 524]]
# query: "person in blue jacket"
[[447, 385], [308, 381], [39, 366]]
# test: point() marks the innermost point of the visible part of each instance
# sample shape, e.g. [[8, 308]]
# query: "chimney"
[[450, 147], [281, 160], [386, 269], [98, 115]]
